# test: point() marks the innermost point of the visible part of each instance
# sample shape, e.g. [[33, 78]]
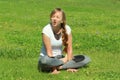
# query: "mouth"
[[54, 22]]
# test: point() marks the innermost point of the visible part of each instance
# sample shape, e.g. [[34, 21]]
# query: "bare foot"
[[55, 72], [60, 67], [72, 70]]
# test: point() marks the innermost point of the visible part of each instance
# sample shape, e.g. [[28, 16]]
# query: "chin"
[[54, 25]]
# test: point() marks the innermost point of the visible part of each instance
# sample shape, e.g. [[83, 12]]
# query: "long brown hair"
[[64, 34]]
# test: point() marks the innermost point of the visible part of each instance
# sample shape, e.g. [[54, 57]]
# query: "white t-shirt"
[[55, 44]]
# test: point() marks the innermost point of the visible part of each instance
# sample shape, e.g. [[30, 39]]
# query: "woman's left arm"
[[69, 48]]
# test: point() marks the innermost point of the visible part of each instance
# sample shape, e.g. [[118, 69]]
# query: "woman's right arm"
[[47, 44]]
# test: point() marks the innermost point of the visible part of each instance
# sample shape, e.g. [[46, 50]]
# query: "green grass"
[[95, 28]]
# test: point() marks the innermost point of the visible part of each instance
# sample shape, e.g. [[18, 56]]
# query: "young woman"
[[57, 39]]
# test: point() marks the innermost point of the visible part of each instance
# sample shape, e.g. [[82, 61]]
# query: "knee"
[[87, 60], [44, 60]]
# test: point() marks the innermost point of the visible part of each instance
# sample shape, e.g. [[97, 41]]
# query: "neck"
[[56, 29]]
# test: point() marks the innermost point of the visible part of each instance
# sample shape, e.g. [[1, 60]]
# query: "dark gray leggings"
[[46, 63]]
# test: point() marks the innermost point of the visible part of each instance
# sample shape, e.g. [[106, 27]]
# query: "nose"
[[53, 19]]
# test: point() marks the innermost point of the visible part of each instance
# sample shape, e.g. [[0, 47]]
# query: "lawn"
[[95, 28]]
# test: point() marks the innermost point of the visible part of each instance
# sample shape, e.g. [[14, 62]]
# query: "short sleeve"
[[68, 29], [46, 31]]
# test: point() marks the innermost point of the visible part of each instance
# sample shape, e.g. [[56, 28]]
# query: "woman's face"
[[56, 19]]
